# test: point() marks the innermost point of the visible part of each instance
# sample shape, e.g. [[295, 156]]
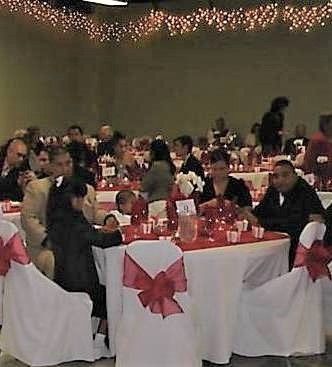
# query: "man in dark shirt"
[[183, 146], [289, 204]]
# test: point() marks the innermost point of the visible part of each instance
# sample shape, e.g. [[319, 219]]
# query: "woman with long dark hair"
[[72, 237]]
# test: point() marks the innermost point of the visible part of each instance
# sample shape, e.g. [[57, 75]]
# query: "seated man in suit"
[[183, 146], [15, 170], [288, 205], [33, 214]]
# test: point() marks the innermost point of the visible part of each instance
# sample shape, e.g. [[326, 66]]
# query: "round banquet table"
[[258, 179], [215, 276]]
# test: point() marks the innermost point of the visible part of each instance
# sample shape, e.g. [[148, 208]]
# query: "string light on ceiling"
[[296, 18]]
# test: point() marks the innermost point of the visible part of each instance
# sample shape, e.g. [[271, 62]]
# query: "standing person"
[[215, 135], [272, 127], [320, 144], [183, 146]]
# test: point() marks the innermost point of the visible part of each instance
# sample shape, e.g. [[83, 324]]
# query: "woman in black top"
[[220, 185], [72, 238]]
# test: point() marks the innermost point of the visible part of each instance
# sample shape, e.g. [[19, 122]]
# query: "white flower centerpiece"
[[189, 183]]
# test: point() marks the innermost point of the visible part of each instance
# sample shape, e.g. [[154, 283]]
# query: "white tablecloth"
[[325, 198], [108, 196], [258, 179], [215, 280], [16, 219]]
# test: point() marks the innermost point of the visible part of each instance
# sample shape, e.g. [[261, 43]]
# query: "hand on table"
[[316, 218]]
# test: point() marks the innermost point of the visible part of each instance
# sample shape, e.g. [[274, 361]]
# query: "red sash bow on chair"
[[316, 260], [12, 250], [157, 293]]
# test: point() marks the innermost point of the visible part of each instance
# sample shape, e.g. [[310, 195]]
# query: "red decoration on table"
[[203, 243], [156, 293], [139, 211], [315, 259], [12, 250], [175, 196]]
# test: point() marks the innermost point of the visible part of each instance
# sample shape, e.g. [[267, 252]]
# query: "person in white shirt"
[[125, 200]]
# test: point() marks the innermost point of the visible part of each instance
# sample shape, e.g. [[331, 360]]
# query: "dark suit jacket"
[[194, 165], [72, 238], [9, 189]]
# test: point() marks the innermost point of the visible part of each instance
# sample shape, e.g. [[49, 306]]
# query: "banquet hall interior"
[[166, 183]]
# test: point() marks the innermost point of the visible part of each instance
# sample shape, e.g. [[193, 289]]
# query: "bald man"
[[15, 171], [105, 145]]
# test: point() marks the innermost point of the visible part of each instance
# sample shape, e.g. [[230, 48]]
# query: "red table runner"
[[132, 233]]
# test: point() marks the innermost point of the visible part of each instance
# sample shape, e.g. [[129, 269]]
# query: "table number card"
[[186, 206], [108, 171]]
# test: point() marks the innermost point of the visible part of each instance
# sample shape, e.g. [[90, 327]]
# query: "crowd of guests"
[[56, 180]]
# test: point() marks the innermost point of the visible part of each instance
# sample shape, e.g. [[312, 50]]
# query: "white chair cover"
[[145, 339], [283, 316], [42, 323], [327, 303]]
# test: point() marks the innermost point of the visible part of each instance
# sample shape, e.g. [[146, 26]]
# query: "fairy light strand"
[[296, 18]]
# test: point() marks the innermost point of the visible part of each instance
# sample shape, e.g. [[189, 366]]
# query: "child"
[[125, 200]]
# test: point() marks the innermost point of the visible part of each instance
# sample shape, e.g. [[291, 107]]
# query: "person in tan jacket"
[[33, 214]]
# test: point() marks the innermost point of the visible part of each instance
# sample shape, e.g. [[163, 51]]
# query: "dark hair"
[[108, 216], [76, 127], [117, 136], [279, 103], [220, 155], [324, 120], [59, 205], [40, 147], [185, 140], [253, 127], [77, 152], [161, 153], [56, 152], [122, 197], [285, 163]]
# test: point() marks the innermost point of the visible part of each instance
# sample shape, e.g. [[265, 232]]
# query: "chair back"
[[312, 231]]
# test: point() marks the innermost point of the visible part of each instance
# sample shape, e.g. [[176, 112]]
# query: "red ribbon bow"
[[157, 293], [316, 260], [12, 251]]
